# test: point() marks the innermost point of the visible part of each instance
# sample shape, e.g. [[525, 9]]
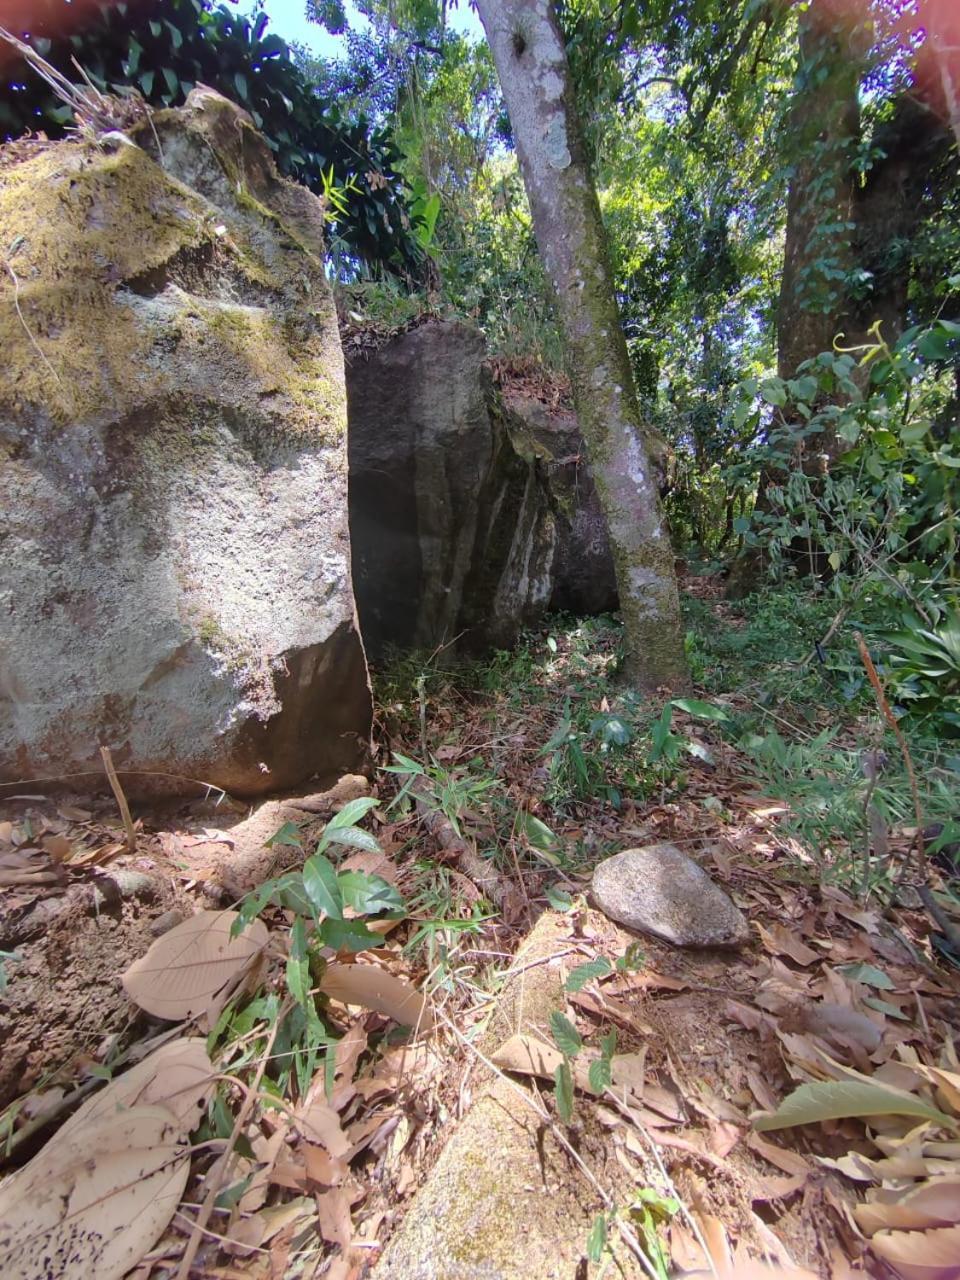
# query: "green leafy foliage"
[[163, 48], [565, 1035]]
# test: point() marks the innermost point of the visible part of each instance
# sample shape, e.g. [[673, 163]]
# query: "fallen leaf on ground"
[[527, 1056], [188, 965], [781, 941], [178, 1076], [920, 1255], [838, 1099], [371, 987], [94, 1204]]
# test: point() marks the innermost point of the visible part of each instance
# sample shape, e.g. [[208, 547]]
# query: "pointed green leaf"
[[702, 710], [289, 833], [599, 1075], [320, 882], [565, 1035], [585, 973], [563, 1083], [840, 1099]]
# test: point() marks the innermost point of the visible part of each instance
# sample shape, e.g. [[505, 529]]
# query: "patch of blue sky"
[[288, 18]]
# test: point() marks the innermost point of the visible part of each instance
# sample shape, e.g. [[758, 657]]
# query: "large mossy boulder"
[[472, 512], [174, 547]]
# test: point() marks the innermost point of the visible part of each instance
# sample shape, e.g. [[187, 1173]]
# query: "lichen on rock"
[[176, 564]]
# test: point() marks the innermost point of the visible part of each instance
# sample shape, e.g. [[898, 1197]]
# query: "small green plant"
[[667, 747], [328, 908], [451, 791], [570, 1043], [649, 1211]]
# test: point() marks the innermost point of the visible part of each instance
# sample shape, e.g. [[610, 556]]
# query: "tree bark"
[[531, 61], [823, 125]]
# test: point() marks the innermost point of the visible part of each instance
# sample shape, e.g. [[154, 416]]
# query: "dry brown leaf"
[[245, 1236], [617, 1011], [73, 814], [934, 1203], [527, 1056], [779, 1188], [321, 1167], [94, 1204], [723, 1138], [646, 980], [371, 987], [781, 941], [764, 1095], [372, 864], [191, 963], [948, 1084], [920, 1255], [789, 1161], [319, 1123], [347, 1054], [28, 866], [58, 847], [835, 1022], [333, 1216], [178, 1076]]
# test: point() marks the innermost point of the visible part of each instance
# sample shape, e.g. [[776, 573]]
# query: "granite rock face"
[[472, 513], [659, 890], [174, 544], [452, 539]]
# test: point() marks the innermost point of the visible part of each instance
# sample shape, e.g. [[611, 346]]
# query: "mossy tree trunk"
[[531, 61]]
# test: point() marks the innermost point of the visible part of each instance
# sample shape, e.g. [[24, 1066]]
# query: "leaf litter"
[[832, 1028]]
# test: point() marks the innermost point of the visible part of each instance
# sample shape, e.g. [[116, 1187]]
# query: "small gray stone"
[[660, 890]]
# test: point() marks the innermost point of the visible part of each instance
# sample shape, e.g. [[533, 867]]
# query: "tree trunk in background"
[[531, 62], [823, 127]]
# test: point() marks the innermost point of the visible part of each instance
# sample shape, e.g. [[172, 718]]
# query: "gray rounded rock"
[[659, 890]]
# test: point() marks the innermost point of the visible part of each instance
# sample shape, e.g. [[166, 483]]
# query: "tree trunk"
[[823, 126], [531, 61]]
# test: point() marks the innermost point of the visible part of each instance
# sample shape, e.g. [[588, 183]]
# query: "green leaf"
[[702, 710], [868, 974], [347, 935], [171, 78], [298, 969], [289, 833], [559, 899], [404, 765], [352, 812], [146, 82], [368, 894], [773, 392], [886, 1008], [834, 561], [585, 973], [608, 1044], [841, 1099], [240, 80], [565, 1035], [353, 837], [597, 1239], [539, 837], [320, 882], [551, 644], [563, 1084], [599, 1075], [632, 959]]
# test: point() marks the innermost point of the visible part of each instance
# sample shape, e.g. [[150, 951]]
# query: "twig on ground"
[[121, 799]]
